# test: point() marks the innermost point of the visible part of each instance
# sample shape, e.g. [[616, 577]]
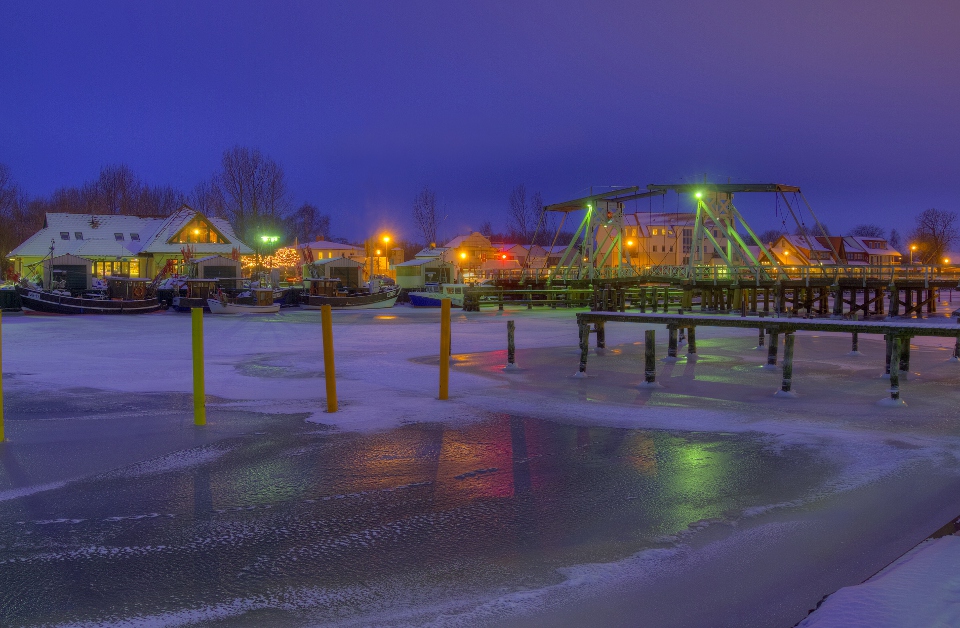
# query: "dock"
[[896, 333]]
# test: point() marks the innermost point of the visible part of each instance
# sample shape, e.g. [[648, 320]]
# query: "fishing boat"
[[197, 293], [121, 296], [260, 301], [433, 294], [320, 292]]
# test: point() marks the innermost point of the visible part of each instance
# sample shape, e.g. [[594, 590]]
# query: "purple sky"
[[363, 103]]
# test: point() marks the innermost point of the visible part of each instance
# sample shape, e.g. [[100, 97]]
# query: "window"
[[654, 248], [198, 231], [671, 249], [655, 232], [118, 236], [135, 237], [78, 235], [64, 235], [687, 240], [122, 269]]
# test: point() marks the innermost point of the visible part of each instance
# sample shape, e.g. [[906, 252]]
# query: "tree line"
[[933, 234], [249, 190]]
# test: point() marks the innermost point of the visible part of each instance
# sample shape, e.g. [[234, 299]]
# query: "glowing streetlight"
[[629, 242], [699, 194], [463, 256], [913, 247]]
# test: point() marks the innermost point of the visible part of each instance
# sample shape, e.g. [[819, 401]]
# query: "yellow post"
[[444, 348], [2, 435], [326, 322], [199, 394]]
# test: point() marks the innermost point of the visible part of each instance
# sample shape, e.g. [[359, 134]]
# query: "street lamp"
[[913, 247]]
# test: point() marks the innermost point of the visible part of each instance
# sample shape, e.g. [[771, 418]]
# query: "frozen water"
[[704, 502]]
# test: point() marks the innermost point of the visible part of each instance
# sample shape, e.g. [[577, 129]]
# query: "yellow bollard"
[[2, 435], [199, 395], [444, 348], [326, 322]]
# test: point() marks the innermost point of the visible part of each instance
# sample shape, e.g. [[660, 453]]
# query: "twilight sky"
[[363, 103]]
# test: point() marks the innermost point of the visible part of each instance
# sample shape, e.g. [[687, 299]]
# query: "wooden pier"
[[896, 333]]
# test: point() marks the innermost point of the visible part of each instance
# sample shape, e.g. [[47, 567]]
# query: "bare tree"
[[868, 231], [894, 241], [250, 190], [811, 230], [935, 232], [425, 215], [308, 222], [523, 214], [769, 236]]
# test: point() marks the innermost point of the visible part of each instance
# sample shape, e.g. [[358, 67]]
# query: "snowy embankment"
[[387, 375]]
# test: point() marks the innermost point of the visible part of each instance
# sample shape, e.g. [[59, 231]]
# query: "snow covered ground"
[[885, 477]]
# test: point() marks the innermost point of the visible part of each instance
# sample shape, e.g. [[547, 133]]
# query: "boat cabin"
[[321, 287], [264, 296], [201, 288], [130, 288]]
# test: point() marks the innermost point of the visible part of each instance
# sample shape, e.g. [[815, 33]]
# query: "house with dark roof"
[[128, 246]]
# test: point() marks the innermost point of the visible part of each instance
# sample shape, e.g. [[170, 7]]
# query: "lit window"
[[64, 235], [78, 235], [118, 236]]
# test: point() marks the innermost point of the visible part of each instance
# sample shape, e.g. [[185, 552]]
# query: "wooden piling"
[[650, 357], [888, 340], [584, 348], [786, 382], [760, 339], [672, 343], [691, 340], [905, 354], [772, 350], [855, 343], [511, 346], [894, 373], [601, 332]]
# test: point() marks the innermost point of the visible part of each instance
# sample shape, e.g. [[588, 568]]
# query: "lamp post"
[[913, 247], [265, 239]]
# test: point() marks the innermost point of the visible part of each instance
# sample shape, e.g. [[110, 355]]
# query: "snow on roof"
[[421, 261], [861, 242], [432, 251], [326, 245], [99, 235], [161, 241]]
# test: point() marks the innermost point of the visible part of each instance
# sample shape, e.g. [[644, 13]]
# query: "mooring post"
[[329, 370], [2, 435], [511, 347], [772, 349], [671, 344], [905, 354], [888, 340], [650, 357], [584, 348], [894, 300], [894, 374], [691, 340], [199, 394], [760, 338], [601, 332], [956, 346], [654, 298], [786, 383], [444, 349], [855, 343]]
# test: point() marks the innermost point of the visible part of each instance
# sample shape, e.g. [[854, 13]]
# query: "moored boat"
[[320, 292], [433, 294], [122, 296], [198, 291], [262, 303]]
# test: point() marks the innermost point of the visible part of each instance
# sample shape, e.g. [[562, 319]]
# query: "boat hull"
[[183, 304], [363, 302], [219, 307], [47, 303]]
